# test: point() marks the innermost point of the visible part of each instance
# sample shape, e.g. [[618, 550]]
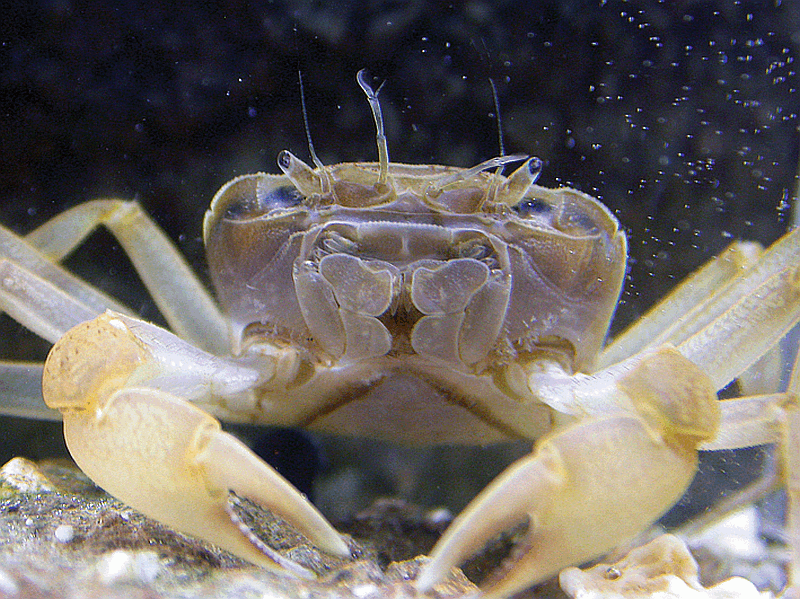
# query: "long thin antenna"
[[499, 120], [314, 157], [383, 148]]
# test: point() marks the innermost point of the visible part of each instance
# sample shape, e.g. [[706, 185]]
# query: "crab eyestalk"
[[519, 182], [466, 174], [302, 176]]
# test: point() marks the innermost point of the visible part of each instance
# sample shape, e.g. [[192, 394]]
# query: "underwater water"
[[680, 116]]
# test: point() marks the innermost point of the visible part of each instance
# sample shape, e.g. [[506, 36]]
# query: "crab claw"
[[590, 486], [584, 490], [162, 455], [171, 461]]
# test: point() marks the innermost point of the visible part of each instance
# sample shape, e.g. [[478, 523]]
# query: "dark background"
[[681, 116]]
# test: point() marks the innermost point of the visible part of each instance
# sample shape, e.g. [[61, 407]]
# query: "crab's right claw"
[[171, 461], [584, 490], [162, 455]]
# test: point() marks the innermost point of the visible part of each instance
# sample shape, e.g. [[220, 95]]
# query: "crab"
[[415, 303]]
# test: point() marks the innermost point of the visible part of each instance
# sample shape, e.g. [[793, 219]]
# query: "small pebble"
[[148, 566], [439, 517], [363, 591], [126, 566], [24, 476], [64, 533]]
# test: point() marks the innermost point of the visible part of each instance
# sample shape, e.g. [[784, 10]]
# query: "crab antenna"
[[499, 120], [496, 175], [314, 157], [383, 148]]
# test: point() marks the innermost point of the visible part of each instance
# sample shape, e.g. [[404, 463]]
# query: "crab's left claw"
[[587, 487]]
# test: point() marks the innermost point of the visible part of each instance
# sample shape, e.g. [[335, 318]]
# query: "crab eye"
[[532, 206], [263, 201], [279, 197]]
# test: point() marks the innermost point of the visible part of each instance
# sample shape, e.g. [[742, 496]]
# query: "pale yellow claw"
[[170, 461], [594, 484], [160, 454], [582, 491]]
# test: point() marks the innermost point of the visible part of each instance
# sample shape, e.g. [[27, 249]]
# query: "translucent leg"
[[791, 464], [21, 391], [739, 335], [20, 256], [719, 286], [690, 294], [182, 299], [40, 305], [790, 461]]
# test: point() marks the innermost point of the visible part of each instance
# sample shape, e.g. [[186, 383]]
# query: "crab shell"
[[413, 273]]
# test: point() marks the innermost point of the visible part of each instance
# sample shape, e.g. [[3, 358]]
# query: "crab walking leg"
[[593, 484], [789, 453], [674, 320], [746, 330], [749, 421], [777, 263], [21, 389], [157, 452], [38, 304], [45, 309], [25, 258], [180, 296], [696, 290], [59, 236], [790, 462]]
